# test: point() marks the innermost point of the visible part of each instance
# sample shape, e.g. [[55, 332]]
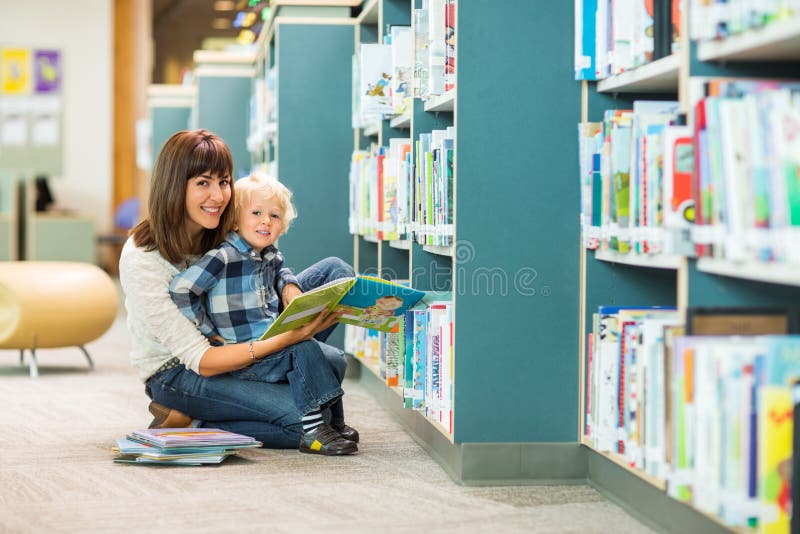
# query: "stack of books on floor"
[[180, 446]]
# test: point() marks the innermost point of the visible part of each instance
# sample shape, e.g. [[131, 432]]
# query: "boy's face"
[[389, 303], [260, 221]]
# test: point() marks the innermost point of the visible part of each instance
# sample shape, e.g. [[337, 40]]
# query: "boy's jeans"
[[257, 400]]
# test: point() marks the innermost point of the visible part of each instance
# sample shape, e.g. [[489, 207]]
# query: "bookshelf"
[[501, 430], [610, 278], [224, 84], [311, 141], [170, 108]]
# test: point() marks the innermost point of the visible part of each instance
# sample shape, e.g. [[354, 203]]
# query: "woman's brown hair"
[[185, 154]]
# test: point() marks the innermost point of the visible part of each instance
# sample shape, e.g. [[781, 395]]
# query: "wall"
[[82, 30]]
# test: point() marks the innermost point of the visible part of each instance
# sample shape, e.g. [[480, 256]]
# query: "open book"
[[364, 300]]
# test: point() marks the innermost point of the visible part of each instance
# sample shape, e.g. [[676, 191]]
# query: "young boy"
[[232, 294]]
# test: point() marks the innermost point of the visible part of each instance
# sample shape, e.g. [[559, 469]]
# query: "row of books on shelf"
[[717, 19], [180, 446], [725, 187], [416, 63], [712, 415], [416, 357], [394, 197], [614, 36]]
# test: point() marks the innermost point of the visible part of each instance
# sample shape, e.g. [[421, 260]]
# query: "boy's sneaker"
[[347, 432], [325, 440]]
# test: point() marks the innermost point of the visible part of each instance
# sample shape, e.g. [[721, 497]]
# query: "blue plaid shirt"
[[232, 290]]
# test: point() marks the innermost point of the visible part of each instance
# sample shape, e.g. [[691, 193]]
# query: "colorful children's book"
[[363, 301], [171, 438]]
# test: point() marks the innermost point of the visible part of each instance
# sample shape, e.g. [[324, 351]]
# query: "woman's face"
[[207, 195]]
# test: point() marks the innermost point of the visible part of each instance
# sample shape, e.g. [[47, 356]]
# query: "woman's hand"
[[323, 320]]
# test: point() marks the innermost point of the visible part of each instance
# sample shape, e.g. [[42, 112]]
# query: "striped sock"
[[312, 420]]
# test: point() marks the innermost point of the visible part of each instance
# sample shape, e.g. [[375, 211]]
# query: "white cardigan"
[[159, 330]]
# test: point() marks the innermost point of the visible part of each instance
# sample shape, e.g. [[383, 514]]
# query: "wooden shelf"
[[370, 239], [777, 41], [443, 102], [439, 250], [640, 260], [401, 121], [774, 273], [620, 461], [660, 76], [402, 244]]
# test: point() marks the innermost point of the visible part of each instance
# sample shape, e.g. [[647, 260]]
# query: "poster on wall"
[[15, 71], [47, 71]]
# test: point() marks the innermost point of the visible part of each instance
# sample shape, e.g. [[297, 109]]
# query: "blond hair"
[[270, 187]]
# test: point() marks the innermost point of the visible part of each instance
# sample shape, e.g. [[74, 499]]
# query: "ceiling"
[[179, 28]]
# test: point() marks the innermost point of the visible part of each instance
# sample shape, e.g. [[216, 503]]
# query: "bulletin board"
[[31, 111]]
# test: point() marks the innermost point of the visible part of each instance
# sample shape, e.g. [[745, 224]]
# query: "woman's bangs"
[[209, 156]]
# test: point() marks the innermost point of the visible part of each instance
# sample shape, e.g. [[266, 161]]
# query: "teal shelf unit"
[[311, 147], [513, 278], [313, 139], [224, 83], [171, 109], [676, 281], [512, 180], [380, 257]]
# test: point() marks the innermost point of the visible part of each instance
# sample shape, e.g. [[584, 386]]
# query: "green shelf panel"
[[613, 284], [430, 272], [315, 138], [742, 69], [517, 195], [426, 121], [598, 103], [394, 262], [166, 121], [367, 257], [396, 13], [706, 289], [223, 107], [369, 33], [387, 132]]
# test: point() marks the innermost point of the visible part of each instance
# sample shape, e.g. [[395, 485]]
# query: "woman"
[[221, 386]]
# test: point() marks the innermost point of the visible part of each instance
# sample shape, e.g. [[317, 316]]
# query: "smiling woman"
[[281, 400], [206, 198]]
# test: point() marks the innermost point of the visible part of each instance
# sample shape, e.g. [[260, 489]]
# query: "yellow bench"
[[48, 304]]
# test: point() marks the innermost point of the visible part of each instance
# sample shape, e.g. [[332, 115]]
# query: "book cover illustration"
[[376, 304], [363, 301], [169, 438], [402, 40], [376, 78]]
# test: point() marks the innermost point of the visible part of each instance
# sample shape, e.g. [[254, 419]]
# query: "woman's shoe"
[[347, 432], [164, 417]]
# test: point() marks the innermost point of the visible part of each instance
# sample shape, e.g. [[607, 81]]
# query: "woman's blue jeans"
[[267, 399]]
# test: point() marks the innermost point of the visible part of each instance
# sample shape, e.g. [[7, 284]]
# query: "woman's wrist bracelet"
[[251, 351]]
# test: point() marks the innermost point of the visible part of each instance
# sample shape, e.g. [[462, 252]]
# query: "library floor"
[[57, 474]]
